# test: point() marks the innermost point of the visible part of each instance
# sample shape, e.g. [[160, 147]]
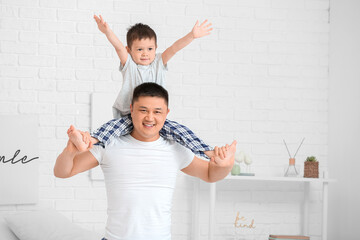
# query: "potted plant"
[[311, 167]]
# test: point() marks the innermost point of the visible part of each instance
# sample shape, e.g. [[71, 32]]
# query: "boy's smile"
[[143, 51]]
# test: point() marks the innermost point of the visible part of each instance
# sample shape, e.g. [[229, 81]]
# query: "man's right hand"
[[81, 140], [87, 138], [71, 148]]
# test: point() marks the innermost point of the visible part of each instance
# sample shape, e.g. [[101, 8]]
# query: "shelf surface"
[[280, 179]]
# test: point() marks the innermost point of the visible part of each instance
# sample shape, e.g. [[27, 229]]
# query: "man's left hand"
[[225, 155]]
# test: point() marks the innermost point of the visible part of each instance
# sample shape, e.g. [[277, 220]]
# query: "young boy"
[[139, 63]]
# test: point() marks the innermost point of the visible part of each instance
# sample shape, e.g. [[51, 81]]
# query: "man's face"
[[143, 51], [148, 116]]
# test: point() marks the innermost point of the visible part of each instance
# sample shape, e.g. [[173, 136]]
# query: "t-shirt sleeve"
[[161, 63], [128, 61], [183, 155], [98, 152]]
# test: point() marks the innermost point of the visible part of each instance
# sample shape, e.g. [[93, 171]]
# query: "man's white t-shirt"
[[140, 178]]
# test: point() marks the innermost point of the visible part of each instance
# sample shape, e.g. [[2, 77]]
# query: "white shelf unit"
[[324, 181]]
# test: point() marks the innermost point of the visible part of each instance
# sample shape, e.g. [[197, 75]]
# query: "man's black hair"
[[150, 89]]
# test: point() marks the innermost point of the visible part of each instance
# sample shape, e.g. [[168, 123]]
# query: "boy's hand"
[[102, 25], [201, 30]]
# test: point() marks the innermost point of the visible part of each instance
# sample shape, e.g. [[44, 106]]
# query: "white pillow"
[[5, 232], [47, 225]]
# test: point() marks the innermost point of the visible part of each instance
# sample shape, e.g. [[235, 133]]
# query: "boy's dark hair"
[[150, 89], [139, 31]]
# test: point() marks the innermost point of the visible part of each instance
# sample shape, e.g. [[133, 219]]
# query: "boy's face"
[[148, 116], [143, 51]]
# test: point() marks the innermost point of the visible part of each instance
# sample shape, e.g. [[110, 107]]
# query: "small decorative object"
[[287, 237], [235, 171], [248, 162], [311, 167], [240, 158], [292, 169], [246, 227]]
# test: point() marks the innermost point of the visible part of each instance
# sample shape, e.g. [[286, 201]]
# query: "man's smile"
[[149, 125]]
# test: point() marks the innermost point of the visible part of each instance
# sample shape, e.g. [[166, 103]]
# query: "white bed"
[[5, 232], [42, 225]]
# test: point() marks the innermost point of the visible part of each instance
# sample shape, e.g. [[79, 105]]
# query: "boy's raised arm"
[[117, 44], [198, 31]]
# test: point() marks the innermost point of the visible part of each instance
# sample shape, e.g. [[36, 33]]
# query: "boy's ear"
[[128, 49]]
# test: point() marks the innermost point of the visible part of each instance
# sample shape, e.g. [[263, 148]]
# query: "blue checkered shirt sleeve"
[[170, 131]]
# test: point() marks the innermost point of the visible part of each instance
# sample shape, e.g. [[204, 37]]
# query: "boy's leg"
[[183, 135], [113, 128]]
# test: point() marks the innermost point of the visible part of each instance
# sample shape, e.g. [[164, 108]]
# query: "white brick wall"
[[260, 77]]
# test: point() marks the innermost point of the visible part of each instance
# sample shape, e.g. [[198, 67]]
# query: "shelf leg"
[[306, 208], [325, 208], [212, 210], [195, 210]]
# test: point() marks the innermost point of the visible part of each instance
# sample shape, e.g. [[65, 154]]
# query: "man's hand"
[[102, 25], [221, 163], [81, 140], [224, 156], [71, 148], [201, 30], [87, 138]]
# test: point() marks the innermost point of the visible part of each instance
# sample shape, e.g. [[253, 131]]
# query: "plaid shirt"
[[170, 131]]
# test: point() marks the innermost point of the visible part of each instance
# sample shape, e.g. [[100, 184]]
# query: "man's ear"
[[131, 108], [168, 110]]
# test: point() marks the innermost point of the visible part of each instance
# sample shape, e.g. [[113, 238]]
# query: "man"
[[140, 169]]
